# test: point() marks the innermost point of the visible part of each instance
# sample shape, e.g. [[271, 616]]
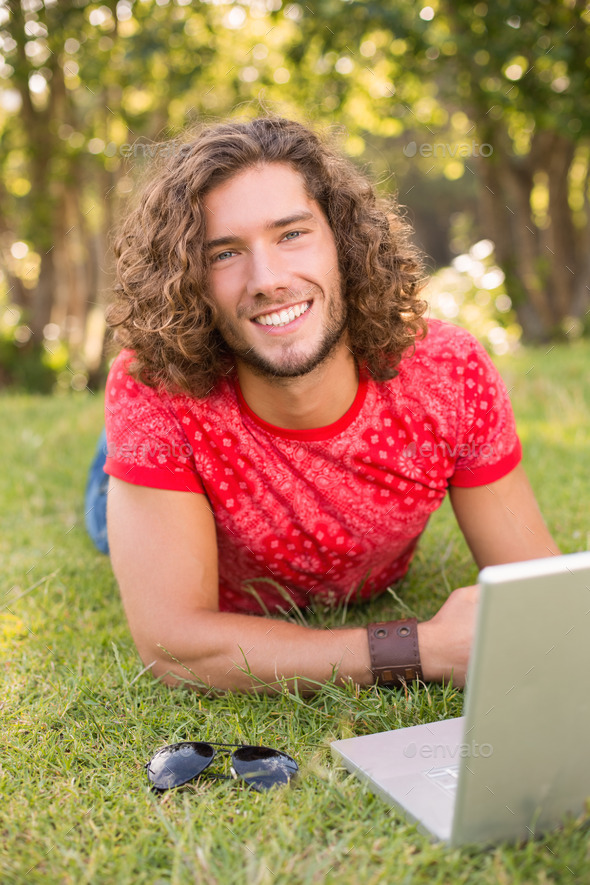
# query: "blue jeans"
[[95, 499]]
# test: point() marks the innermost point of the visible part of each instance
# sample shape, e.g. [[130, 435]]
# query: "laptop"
[[518, 760]]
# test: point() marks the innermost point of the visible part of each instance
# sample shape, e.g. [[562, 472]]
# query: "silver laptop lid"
[[527, 710]]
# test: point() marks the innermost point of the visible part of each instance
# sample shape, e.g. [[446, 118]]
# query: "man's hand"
[[445, 640], [501, 522]]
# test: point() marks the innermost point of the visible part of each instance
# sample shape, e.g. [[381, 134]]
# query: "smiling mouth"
[[283, 317]]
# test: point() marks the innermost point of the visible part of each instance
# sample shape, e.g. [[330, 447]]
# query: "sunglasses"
[[260, 767]]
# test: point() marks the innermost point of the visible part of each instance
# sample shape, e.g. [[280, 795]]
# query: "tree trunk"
[[545, 277], [507, 220], [581, 302], [561, 233], [39, 124], [42, 302]]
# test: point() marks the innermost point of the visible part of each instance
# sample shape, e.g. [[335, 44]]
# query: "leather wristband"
[[394, 652]]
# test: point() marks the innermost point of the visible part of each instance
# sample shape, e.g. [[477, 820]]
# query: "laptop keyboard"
[[446, 777]]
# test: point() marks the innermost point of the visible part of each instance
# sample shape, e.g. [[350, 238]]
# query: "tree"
[[92, 85], [513, 79]]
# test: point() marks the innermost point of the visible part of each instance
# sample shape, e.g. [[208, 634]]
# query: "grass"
[[79, 718]]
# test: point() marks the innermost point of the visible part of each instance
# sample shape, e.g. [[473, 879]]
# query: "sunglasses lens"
[[262, 767], [178, 764]]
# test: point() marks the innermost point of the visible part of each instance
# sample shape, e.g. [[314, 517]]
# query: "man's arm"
[[501, 522], [164, 553]]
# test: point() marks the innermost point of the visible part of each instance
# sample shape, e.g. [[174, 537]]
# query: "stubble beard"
[[290, 364]]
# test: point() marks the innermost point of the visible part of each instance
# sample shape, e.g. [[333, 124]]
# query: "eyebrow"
[[270, 225]]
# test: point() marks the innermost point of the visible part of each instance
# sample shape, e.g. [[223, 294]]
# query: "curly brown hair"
[[163, 309]]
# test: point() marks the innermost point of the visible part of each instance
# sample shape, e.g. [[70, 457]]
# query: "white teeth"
[[284, 317]]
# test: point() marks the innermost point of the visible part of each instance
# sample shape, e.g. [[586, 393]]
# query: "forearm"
[[242, 652]]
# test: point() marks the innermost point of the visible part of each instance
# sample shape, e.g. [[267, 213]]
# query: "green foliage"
[[496, 93], [522, 63], [25, 367]]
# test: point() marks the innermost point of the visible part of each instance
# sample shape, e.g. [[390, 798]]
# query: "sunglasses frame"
[[224, 751]]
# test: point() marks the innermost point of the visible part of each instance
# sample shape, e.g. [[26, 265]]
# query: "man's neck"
[[314, 400]]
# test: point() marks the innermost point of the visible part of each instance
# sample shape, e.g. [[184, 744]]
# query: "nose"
[[267, 273]]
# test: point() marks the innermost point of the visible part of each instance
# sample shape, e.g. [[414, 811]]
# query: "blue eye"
[[223, 255], [293, 235]]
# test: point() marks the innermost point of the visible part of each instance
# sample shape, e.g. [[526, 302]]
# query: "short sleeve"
[[146, 444], [488, 446]]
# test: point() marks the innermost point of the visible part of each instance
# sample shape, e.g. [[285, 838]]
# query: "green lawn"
[[79, 718]]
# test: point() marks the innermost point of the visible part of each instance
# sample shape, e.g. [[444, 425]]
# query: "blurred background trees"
[[477, 115]]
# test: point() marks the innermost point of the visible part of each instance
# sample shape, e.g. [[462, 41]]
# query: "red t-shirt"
[[329, 513]]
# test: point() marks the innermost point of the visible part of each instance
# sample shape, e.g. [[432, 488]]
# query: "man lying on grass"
[[282, 421]]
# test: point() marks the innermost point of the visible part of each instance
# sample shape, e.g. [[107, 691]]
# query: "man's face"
[[273, 272]]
